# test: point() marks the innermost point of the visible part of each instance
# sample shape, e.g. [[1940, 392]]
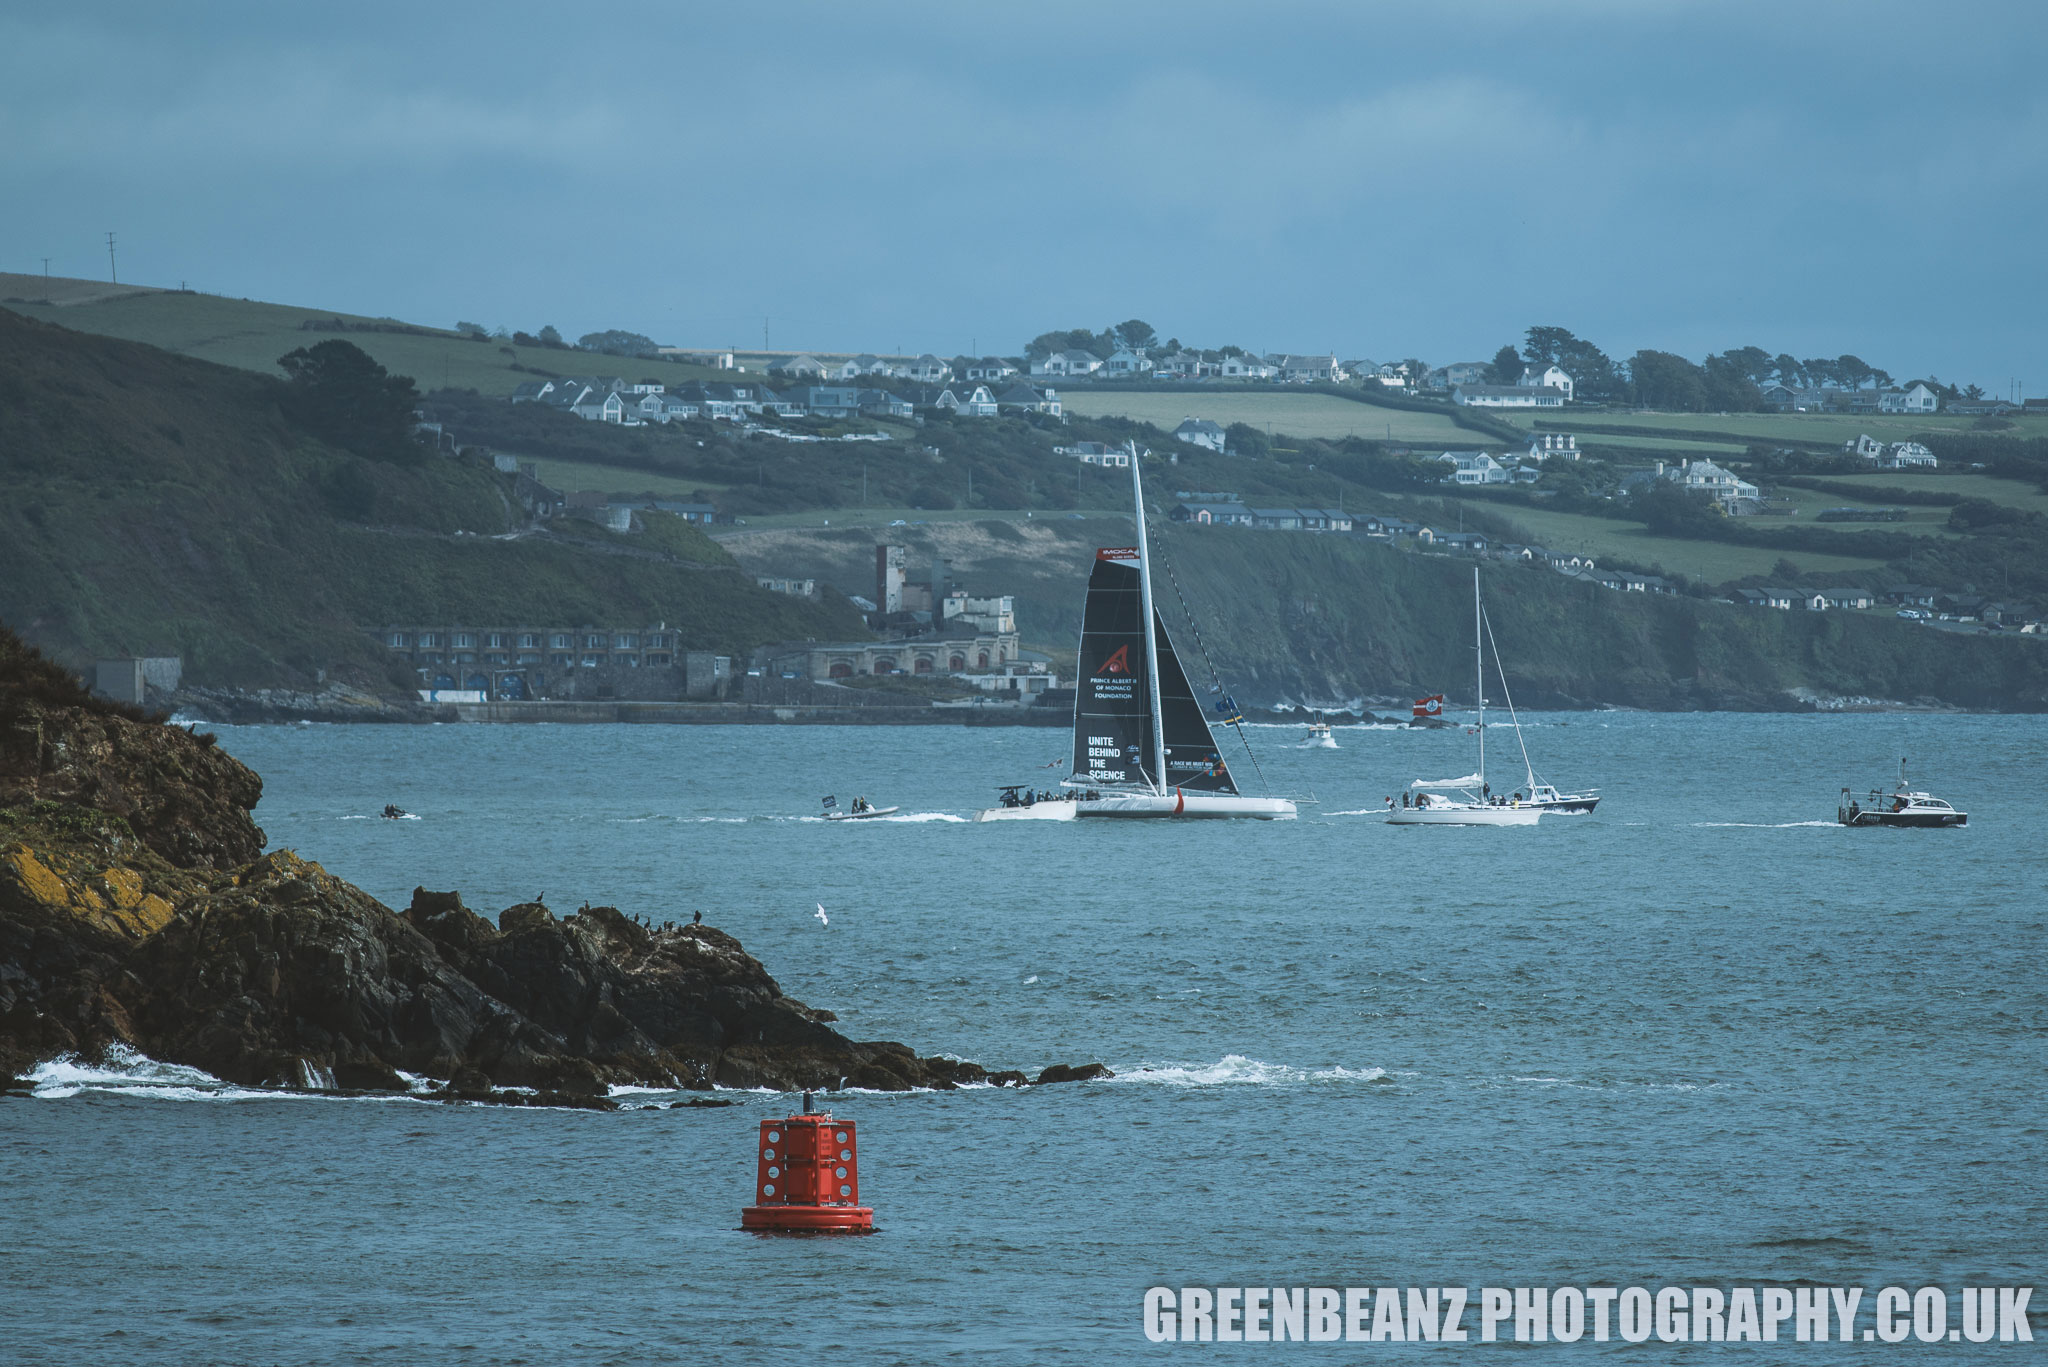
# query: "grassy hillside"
[[251, 335], [160, 504], [1793, 429], [1295, 414], [1309, 618]]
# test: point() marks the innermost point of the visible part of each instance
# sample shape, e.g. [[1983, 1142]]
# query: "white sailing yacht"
[[1473, 804], [1142, 745], [1544, 797]]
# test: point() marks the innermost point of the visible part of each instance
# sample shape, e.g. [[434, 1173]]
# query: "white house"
[[1030, 400], [1200, 432], [601, 407], [1245, 367], [804, 367], [1507, 396], [1309, 369], [1918, 399], [1906, 455], [929, 369], [1703, 476], [856, 367], [1125, 361], [974, 403], [1458, 373], [1474, 467], [990, 368], [1544, 445], [1068, 363], [1548, 377], [1096, 453]]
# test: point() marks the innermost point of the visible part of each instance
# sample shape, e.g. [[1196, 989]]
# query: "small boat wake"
[[1235, 1070], [1760, 825]]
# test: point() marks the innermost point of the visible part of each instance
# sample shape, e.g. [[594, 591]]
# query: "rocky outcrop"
[[177, 792], [137, 907]]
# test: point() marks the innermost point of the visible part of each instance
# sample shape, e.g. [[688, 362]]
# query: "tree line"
[[1730, 382]]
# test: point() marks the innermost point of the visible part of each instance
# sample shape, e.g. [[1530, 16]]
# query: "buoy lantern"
[[807, 1177]]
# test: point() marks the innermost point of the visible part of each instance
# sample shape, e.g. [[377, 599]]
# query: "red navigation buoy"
[[807, 1177]]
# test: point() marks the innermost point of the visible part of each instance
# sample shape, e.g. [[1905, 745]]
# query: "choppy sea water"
[[1703, 1037]]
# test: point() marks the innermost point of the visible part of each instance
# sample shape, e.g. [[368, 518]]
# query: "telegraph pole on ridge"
[[112, 273]]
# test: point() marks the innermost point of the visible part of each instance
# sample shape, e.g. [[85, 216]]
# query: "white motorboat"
[[1142, 743], [1904, 806], [866, 814], [1319, 735], [1020, 803]]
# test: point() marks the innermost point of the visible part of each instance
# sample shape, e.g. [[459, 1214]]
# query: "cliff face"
[[136, 907]]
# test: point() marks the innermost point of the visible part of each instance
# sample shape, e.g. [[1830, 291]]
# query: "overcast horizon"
[[1369, 180]]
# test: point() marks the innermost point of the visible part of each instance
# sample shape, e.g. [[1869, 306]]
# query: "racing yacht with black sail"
[[1142, 745]]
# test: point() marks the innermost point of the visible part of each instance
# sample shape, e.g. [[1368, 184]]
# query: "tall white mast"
[[1479, 673], [1151, 635]]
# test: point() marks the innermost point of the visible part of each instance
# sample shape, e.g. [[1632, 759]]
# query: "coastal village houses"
[[1200, 432]]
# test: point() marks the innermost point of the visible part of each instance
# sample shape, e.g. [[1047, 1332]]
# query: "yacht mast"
[[1479, 673], [1151, 631]]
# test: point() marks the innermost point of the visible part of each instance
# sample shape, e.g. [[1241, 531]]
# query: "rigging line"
[[1487, 618], [1195, 629]]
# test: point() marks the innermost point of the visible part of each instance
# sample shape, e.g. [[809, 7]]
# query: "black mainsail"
[[1192, 760], [1113, 734], [1116, 733]]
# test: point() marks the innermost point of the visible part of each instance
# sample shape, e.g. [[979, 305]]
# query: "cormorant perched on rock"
[[540, 897], [697, 919]]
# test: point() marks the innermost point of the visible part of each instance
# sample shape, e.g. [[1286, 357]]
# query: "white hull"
[[1147, 804], [1460, 815], [1187, 804], [1037, 811], [867, 815]]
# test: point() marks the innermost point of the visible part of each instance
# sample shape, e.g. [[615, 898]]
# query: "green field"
[[1713, 561], [1301, 415], [1831, 429], [2011, 492], [251, 336], [1678, 446], [1807, 504]]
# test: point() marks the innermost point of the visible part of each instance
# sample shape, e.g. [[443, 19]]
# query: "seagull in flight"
[[823, 919]]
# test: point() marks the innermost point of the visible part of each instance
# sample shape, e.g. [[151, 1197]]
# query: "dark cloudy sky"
[[1380, 180]]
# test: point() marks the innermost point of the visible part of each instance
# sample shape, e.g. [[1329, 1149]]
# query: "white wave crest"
[[1237, 1070], [131, 1073], [922, 816], [1761, 825]]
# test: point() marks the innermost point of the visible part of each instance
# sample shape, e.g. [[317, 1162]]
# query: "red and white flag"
[[1431, 706]]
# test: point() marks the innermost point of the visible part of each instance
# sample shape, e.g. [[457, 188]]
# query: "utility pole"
[[764, 332], [112, 274], [46, 268]]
